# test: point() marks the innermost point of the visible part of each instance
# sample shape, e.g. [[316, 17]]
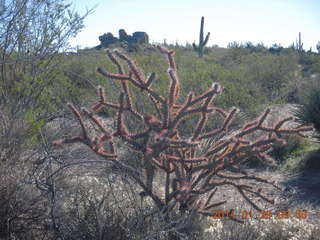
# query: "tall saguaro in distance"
[[299, 44], [202, 41]]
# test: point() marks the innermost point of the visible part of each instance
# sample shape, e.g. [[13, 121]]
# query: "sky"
[[257, 21]]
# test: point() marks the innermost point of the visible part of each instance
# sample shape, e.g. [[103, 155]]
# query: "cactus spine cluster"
[[202, 41]]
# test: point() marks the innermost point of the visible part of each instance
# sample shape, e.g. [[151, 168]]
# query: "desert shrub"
[[294, 143], [104, 203], [311, 161], [33, 33], [300, 159], [271, 72], [30, 80], [22, 208], [228, 230], [308, 110], [268, 75], [310, 63], [90, 209]]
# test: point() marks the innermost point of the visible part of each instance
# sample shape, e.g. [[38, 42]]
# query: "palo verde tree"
[[191, 173], [33, 36], [33, 33]]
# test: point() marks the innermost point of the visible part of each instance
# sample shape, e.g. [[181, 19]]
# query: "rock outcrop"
[[107, 39], [140, 37], [136, 38]]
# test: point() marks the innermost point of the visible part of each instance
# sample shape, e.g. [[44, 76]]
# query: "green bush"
[[308, 112]]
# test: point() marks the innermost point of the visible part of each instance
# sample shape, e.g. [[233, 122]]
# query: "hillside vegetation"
[[69, 192], [253, 77]]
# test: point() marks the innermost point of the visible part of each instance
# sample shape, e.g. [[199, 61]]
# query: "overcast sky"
[[267, 21]]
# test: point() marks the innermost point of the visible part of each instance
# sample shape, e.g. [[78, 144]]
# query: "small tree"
[[32, 35]]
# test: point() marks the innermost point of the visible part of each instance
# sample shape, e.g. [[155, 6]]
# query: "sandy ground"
[[299, 192]]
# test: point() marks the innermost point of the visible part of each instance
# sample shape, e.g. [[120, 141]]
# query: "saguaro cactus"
[[191, 174], [202, 41], [318, 47], [299, 44]]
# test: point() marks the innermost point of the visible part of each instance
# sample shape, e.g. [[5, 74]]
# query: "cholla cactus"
[[191, 176]]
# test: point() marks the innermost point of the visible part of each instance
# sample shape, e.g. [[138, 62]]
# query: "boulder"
[[140, 37], [123, 36], [107, 39]]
